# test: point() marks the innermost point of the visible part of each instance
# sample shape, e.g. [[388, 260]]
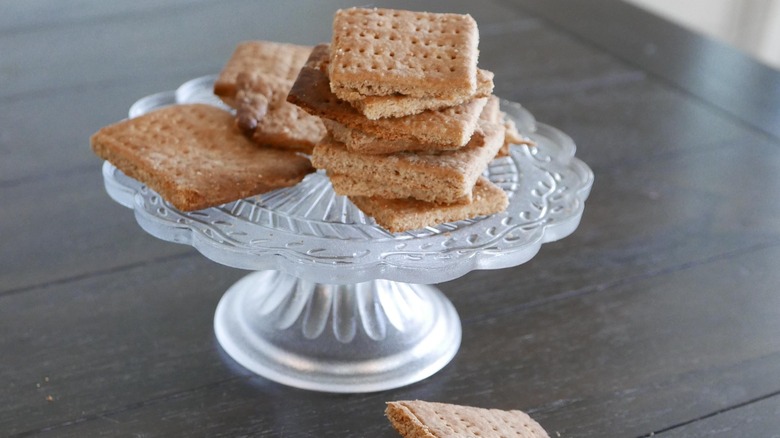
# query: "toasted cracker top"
[[386, 51]]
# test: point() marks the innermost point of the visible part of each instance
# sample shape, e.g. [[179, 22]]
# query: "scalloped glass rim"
[[311, 233]]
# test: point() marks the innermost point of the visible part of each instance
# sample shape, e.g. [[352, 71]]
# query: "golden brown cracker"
[[311, 91], [195, 157], [257, 58], [398, 215], [362, 143], [378, 107], [289, 127], [420, 419], [445, 177], [493, 113], [265, 115], [379, 52]]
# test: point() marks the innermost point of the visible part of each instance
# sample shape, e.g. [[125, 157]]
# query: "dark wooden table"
[[659, 316]]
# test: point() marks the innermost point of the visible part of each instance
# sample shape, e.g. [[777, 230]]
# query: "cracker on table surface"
[[449, 126], [398, 215], [421, 419], [385, 51], [194, 156], [445, 177], [257, 58]]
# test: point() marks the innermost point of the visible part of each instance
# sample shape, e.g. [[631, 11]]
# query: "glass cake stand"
[[336, 303]]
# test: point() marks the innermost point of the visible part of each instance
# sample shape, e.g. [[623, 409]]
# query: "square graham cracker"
[[194, 156], [398, 215], [379, 52], [263, 113], [280, 60], [444, 178], [421, 419], [362, 143], [449, 126], [396, 105]]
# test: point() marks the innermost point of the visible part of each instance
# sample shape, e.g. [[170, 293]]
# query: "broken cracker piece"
[[362, 143], [421, 419], [492, 113], [255, 58], [264, 114]]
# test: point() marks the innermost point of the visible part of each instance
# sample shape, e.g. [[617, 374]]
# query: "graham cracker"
[[288, 127], [449, 126], [446, 177], [420, 419], [362, 143], [194, 156], [378, 107], [380, 52], [492, 113], [511, 136], [254, 58], [263, 113], [398, 215], [492, 110]]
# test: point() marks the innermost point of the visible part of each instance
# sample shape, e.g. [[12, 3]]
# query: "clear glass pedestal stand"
[[336, 303], [359, 337]]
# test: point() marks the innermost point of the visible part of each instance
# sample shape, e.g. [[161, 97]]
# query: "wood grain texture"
[[94, 356], [727, 79], [65, 227], [659, 315], [635, 350], [754, 418]]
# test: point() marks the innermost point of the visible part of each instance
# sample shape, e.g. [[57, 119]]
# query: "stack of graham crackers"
[[394, 109], [411, 120]]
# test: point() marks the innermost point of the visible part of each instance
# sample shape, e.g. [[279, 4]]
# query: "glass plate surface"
[[309, 232]]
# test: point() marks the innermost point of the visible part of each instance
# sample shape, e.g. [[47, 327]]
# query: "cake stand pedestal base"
[[348, 338]]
